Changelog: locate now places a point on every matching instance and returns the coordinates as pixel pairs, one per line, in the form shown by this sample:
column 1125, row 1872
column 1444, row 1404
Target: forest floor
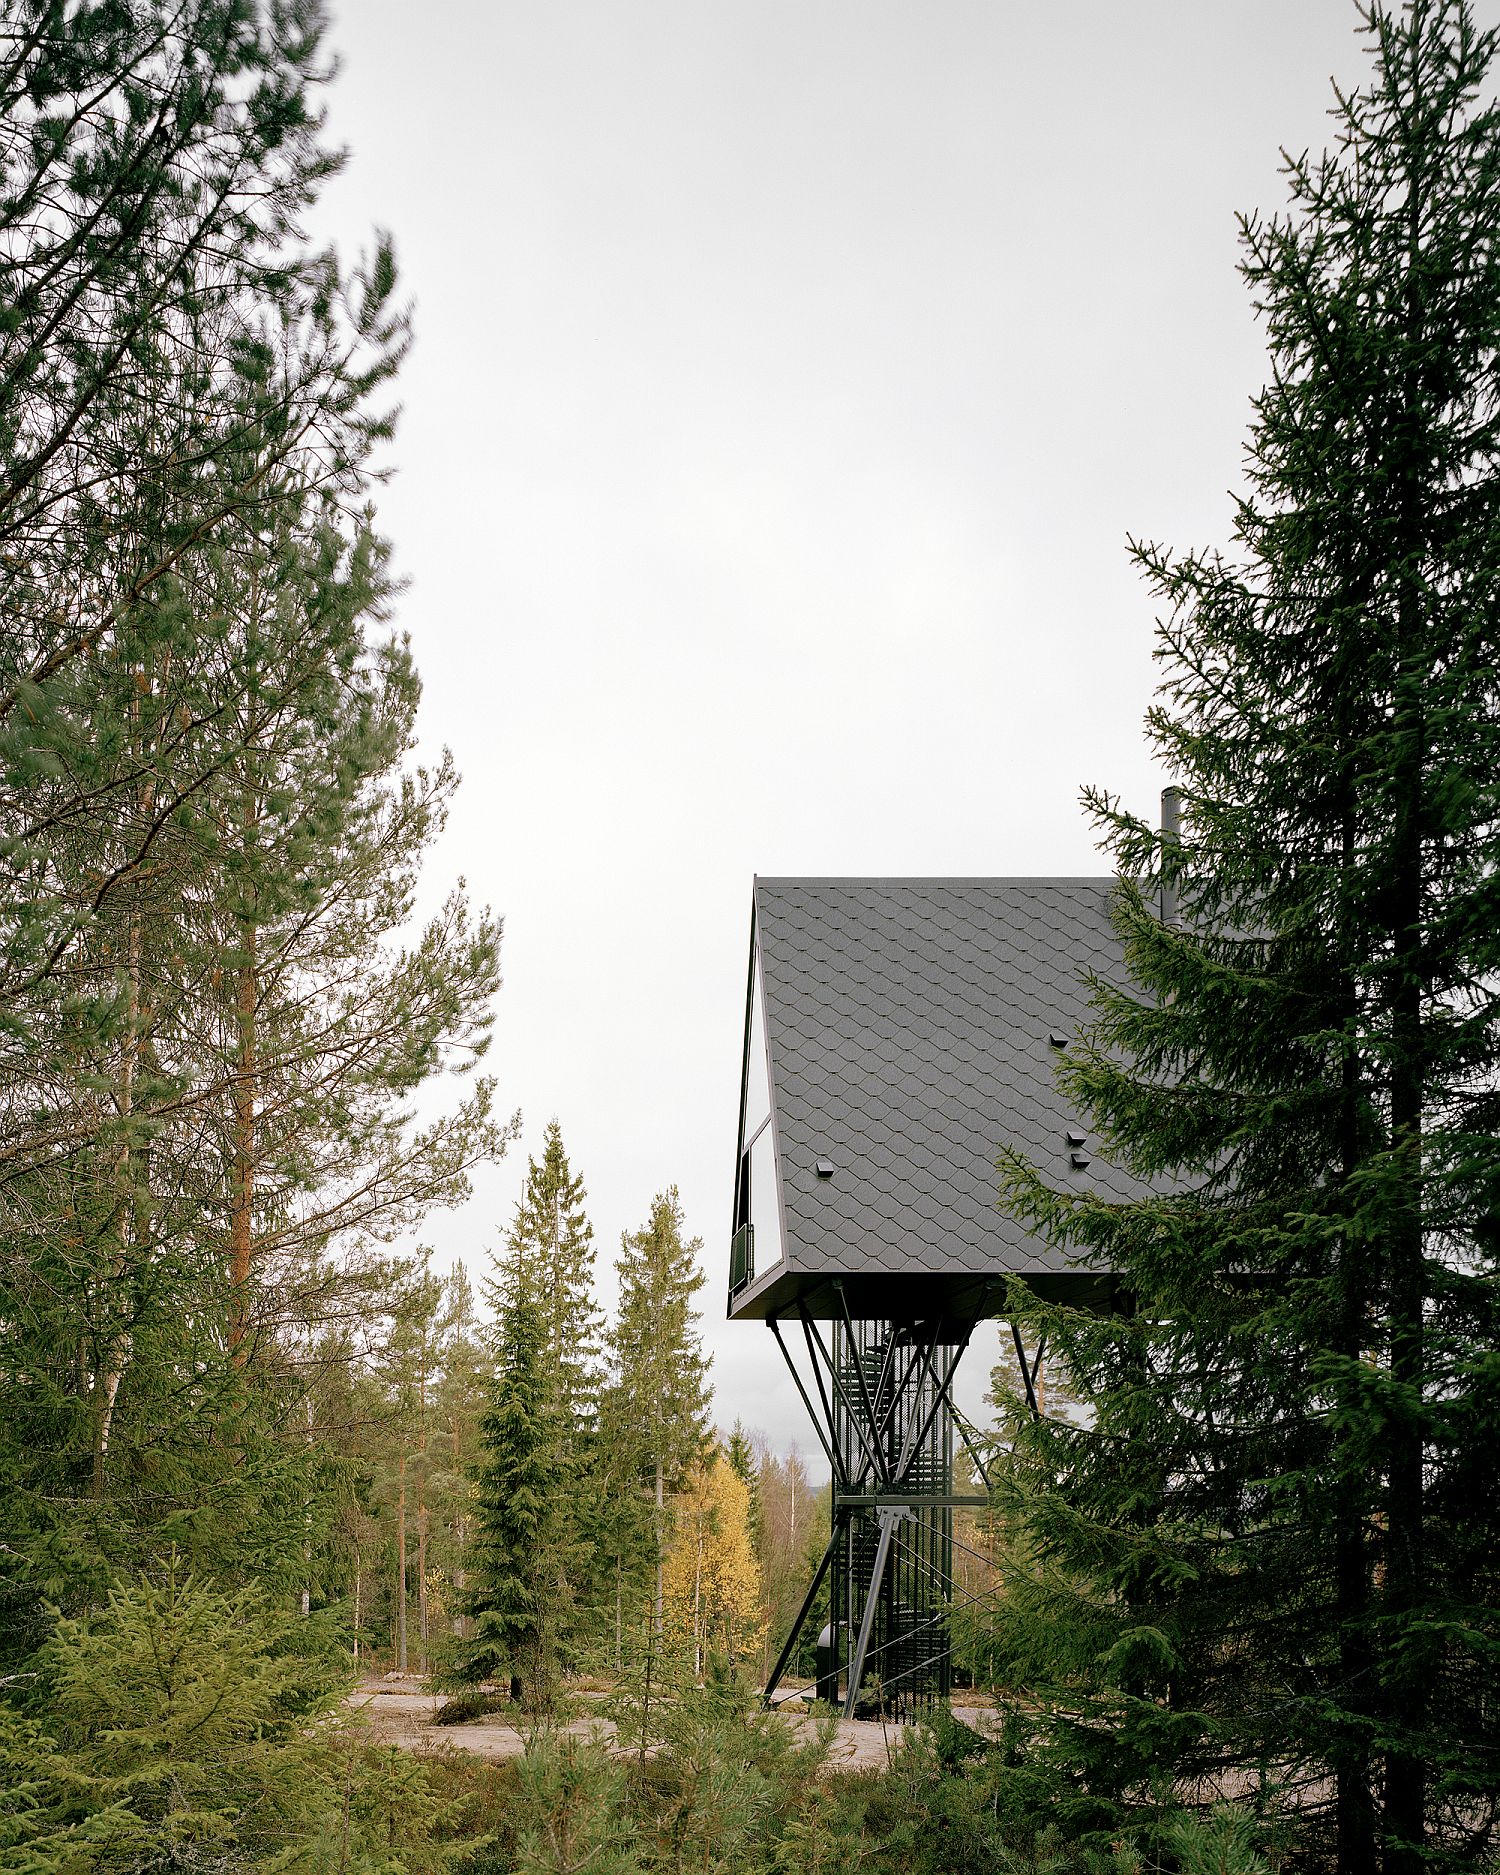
column 402, row 1712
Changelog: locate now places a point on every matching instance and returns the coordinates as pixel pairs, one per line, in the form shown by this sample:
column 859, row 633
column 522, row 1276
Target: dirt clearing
column 401, row 1712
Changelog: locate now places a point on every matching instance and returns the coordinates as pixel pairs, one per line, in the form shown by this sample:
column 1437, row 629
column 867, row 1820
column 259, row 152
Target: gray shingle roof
column 908, row 1023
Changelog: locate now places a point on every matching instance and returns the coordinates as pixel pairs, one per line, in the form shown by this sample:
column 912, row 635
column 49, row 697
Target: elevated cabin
column 897, row 1033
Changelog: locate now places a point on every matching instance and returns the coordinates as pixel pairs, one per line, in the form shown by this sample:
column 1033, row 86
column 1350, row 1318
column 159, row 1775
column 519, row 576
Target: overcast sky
column 789, row 376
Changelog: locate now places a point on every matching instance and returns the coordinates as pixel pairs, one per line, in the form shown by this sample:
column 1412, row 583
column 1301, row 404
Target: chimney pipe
column 1171, row 842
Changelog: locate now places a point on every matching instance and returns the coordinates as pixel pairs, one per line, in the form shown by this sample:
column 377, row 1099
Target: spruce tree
column 741, row 1456
column 1273, row 1551
column 654, row 1417
column 523, row 1568
column 550, row 1256
column 183, row 1728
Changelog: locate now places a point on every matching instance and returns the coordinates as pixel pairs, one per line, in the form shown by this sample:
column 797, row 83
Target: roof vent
column 1058, row 1039
column 825, row 1168
column 1080, row 1160
column 1073, row 1138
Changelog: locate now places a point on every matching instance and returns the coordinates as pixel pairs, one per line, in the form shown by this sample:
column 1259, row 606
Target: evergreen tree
column 742, row 1462
column 182, row 1728
column 201, row 1187
column 523, row 1565
column 167, row 347
column 406, row 1371
column 208, row 816
column 1274, row 1548
column 460, row 1401
column 550, row 1256
column 654, row 1416
column 571, row 1814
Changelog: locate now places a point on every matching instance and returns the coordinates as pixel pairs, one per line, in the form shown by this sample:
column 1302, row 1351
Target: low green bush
column 182, row 1727
column 464, row 1707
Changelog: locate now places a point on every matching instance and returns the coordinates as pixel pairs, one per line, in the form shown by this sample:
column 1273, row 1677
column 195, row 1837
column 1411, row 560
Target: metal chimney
column 1171, row 842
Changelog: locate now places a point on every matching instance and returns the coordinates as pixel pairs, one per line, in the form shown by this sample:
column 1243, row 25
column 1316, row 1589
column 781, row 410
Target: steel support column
column 887, row 1424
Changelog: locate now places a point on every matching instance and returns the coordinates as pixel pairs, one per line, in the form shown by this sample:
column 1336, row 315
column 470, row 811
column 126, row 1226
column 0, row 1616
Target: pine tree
column 407, row 1367
column 167, row 346
column 222, row 1202
column 459, row 1406
column 523, row 1567
column 572, row 1815
column 1274, row 1549
column 209, row 821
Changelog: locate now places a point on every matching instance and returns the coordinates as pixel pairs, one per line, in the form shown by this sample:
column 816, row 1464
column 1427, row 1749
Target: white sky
column 789, row 375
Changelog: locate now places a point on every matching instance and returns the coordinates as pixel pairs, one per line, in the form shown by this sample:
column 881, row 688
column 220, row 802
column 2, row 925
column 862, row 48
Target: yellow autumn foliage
column 711, row 1596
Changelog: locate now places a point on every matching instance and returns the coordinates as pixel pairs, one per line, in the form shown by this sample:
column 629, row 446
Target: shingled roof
column 912, row 1027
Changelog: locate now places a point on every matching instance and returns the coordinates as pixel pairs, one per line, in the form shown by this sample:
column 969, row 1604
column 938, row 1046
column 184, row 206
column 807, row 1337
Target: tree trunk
column 1405, row 1677
column 422, row 1507
column 646, row 1690
column 401, row 1566
column 460, row 1532
column 115, row 1352
column 242, row 1164
column 1354, row 1805
column 307, row 1523
column 656, row 1606
column 421, row 1575
column 108, row 1387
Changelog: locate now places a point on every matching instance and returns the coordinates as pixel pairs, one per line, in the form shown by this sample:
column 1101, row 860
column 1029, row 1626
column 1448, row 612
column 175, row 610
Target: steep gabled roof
column 910, row 1026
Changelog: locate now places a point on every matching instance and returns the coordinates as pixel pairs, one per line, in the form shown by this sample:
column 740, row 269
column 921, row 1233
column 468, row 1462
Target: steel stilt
column 890, row 1516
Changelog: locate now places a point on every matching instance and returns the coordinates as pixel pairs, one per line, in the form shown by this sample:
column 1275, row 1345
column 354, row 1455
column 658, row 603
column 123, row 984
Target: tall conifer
column 207, row 820
column 654, row 1417
column 550, row 1257
column 1274, row 1549
column 522, row 1600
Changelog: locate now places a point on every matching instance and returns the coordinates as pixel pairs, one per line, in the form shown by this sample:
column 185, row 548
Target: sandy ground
column 402, row 1713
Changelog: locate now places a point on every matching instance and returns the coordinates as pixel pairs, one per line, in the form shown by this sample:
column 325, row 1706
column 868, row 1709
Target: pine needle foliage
column 571, row 1816
column 1273, row 1551
column 210, row 825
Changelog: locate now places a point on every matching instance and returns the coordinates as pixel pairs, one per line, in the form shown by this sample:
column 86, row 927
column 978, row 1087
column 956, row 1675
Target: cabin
column 898, row 1033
